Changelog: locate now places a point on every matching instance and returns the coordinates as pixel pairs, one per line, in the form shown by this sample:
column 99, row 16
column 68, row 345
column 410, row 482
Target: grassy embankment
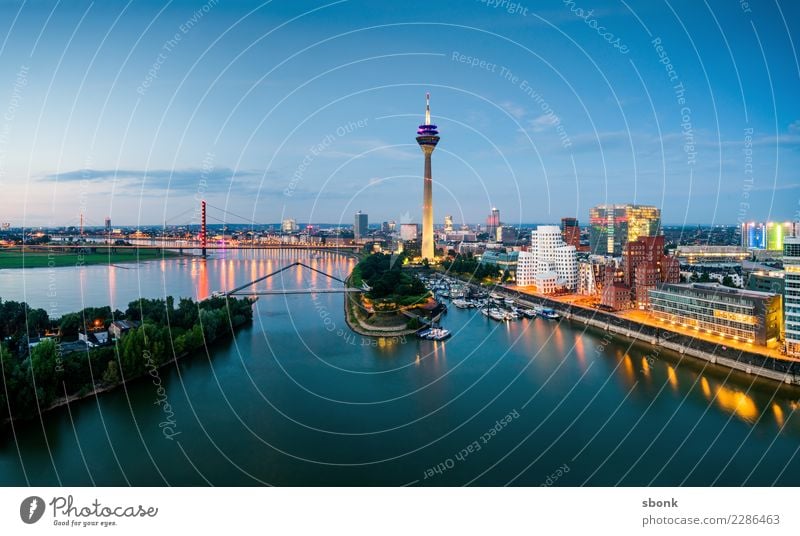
column 42, row 258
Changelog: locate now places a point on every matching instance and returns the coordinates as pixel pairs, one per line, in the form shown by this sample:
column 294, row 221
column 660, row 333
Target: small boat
column 424, row 333
column 485, row 311
column 461, row 303
column 512, row 315
column 550, row 314
column 438, row 334
column 528, row 313
column 497, row 314
column 509, row 302
column 496, row 296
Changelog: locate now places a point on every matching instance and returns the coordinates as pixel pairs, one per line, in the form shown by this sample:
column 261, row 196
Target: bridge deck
column 294, row 291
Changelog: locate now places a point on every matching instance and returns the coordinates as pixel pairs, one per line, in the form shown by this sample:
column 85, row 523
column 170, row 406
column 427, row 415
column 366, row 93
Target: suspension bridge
column 194, row 240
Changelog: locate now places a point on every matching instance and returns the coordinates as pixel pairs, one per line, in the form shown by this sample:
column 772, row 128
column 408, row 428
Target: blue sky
column 309, row 109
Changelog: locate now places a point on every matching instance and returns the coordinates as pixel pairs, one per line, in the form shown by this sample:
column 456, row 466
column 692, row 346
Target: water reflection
column 737, row 402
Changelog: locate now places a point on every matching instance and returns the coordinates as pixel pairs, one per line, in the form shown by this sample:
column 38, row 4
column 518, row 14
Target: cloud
column 514, row 109
column 543, row 122
column 178, row 180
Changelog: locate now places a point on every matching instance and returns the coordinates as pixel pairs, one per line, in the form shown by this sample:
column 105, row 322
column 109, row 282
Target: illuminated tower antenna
column 427, row 108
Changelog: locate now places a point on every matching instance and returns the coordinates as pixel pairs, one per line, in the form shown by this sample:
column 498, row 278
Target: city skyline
column 136, row 131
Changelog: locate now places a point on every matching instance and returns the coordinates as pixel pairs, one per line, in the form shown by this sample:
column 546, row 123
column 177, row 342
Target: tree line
column 33, row 378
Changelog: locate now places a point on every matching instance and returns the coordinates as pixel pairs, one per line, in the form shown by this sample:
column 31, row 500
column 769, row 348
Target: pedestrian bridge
column 248, row 290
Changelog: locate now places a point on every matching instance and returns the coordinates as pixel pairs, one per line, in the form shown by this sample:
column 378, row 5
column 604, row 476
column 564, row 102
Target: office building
column 492, row 223
column 612, row 226
column 507, row 235
column 571, row 232
column 427, row 138
column 776, row 233
column 791, row 281
column 744, row 315
column 711, row 254
column 550, row 257
column 360, row 225
column 753, row 235
column 769, row 235
column 645, row 267
column 503, row 260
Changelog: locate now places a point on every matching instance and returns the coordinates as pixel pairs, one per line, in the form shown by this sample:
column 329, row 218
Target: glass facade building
column 612, row 226
column 744, row 315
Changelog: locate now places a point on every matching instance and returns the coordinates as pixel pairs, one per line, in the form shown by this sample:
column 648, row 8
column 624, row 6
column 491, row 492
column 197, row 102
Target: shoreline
column 367, row 331
column 98, row 390
column 748, row 362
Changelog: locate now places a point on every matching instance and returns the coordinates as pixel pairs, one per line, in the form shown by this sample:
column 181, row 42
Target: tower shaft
column 427, row 208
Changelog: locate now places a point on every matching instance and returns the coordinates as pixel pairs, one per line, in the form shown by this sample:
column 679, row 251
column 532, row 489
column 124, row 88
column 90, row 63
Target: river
column 298, row 399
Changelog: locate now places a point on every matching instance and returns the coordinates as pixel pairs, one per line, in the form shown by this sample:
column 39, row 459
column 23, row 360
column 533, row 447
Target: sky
column 308, row 110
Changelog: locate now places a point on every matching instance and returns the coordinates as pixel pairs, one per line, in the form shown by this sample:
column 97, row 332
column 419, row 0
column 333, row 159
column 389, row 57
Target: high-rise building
column 108, row 224
column 776, row 232
column 571, row 232
column 791, row 281
column 612, row 226
column 448, row 224
column 492, row 223
column 753, row 236
column 427, row 138
column 769, row 235
column 360, row 225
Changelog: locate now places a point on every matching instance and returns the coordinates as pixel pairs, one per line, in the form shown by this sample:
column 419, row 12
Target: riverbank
column 747, row 361
column 53, row 373
column 42, row 257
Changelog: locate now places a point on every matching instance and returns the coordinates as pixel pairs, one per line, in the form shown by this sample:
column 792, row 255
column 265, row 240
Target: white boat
column 496, row 296
column 462, row 303
column 438, row 334
column 509, row 302
column 497, row 314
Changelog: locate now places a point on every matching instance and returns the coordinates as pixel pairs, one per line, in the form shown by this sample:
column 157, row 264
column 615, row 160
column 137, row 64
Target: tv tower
column 427, row 138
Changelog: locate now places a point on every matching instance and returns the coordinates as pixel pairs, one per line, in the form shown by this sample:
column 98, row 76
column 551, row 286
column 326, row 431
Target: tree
column 111, row 375
column 70, row 324
column 47, row 372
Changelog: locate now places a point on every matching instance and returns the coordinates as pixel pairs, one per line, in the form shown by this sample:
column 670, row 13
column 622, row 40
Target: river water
column 297, row 399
